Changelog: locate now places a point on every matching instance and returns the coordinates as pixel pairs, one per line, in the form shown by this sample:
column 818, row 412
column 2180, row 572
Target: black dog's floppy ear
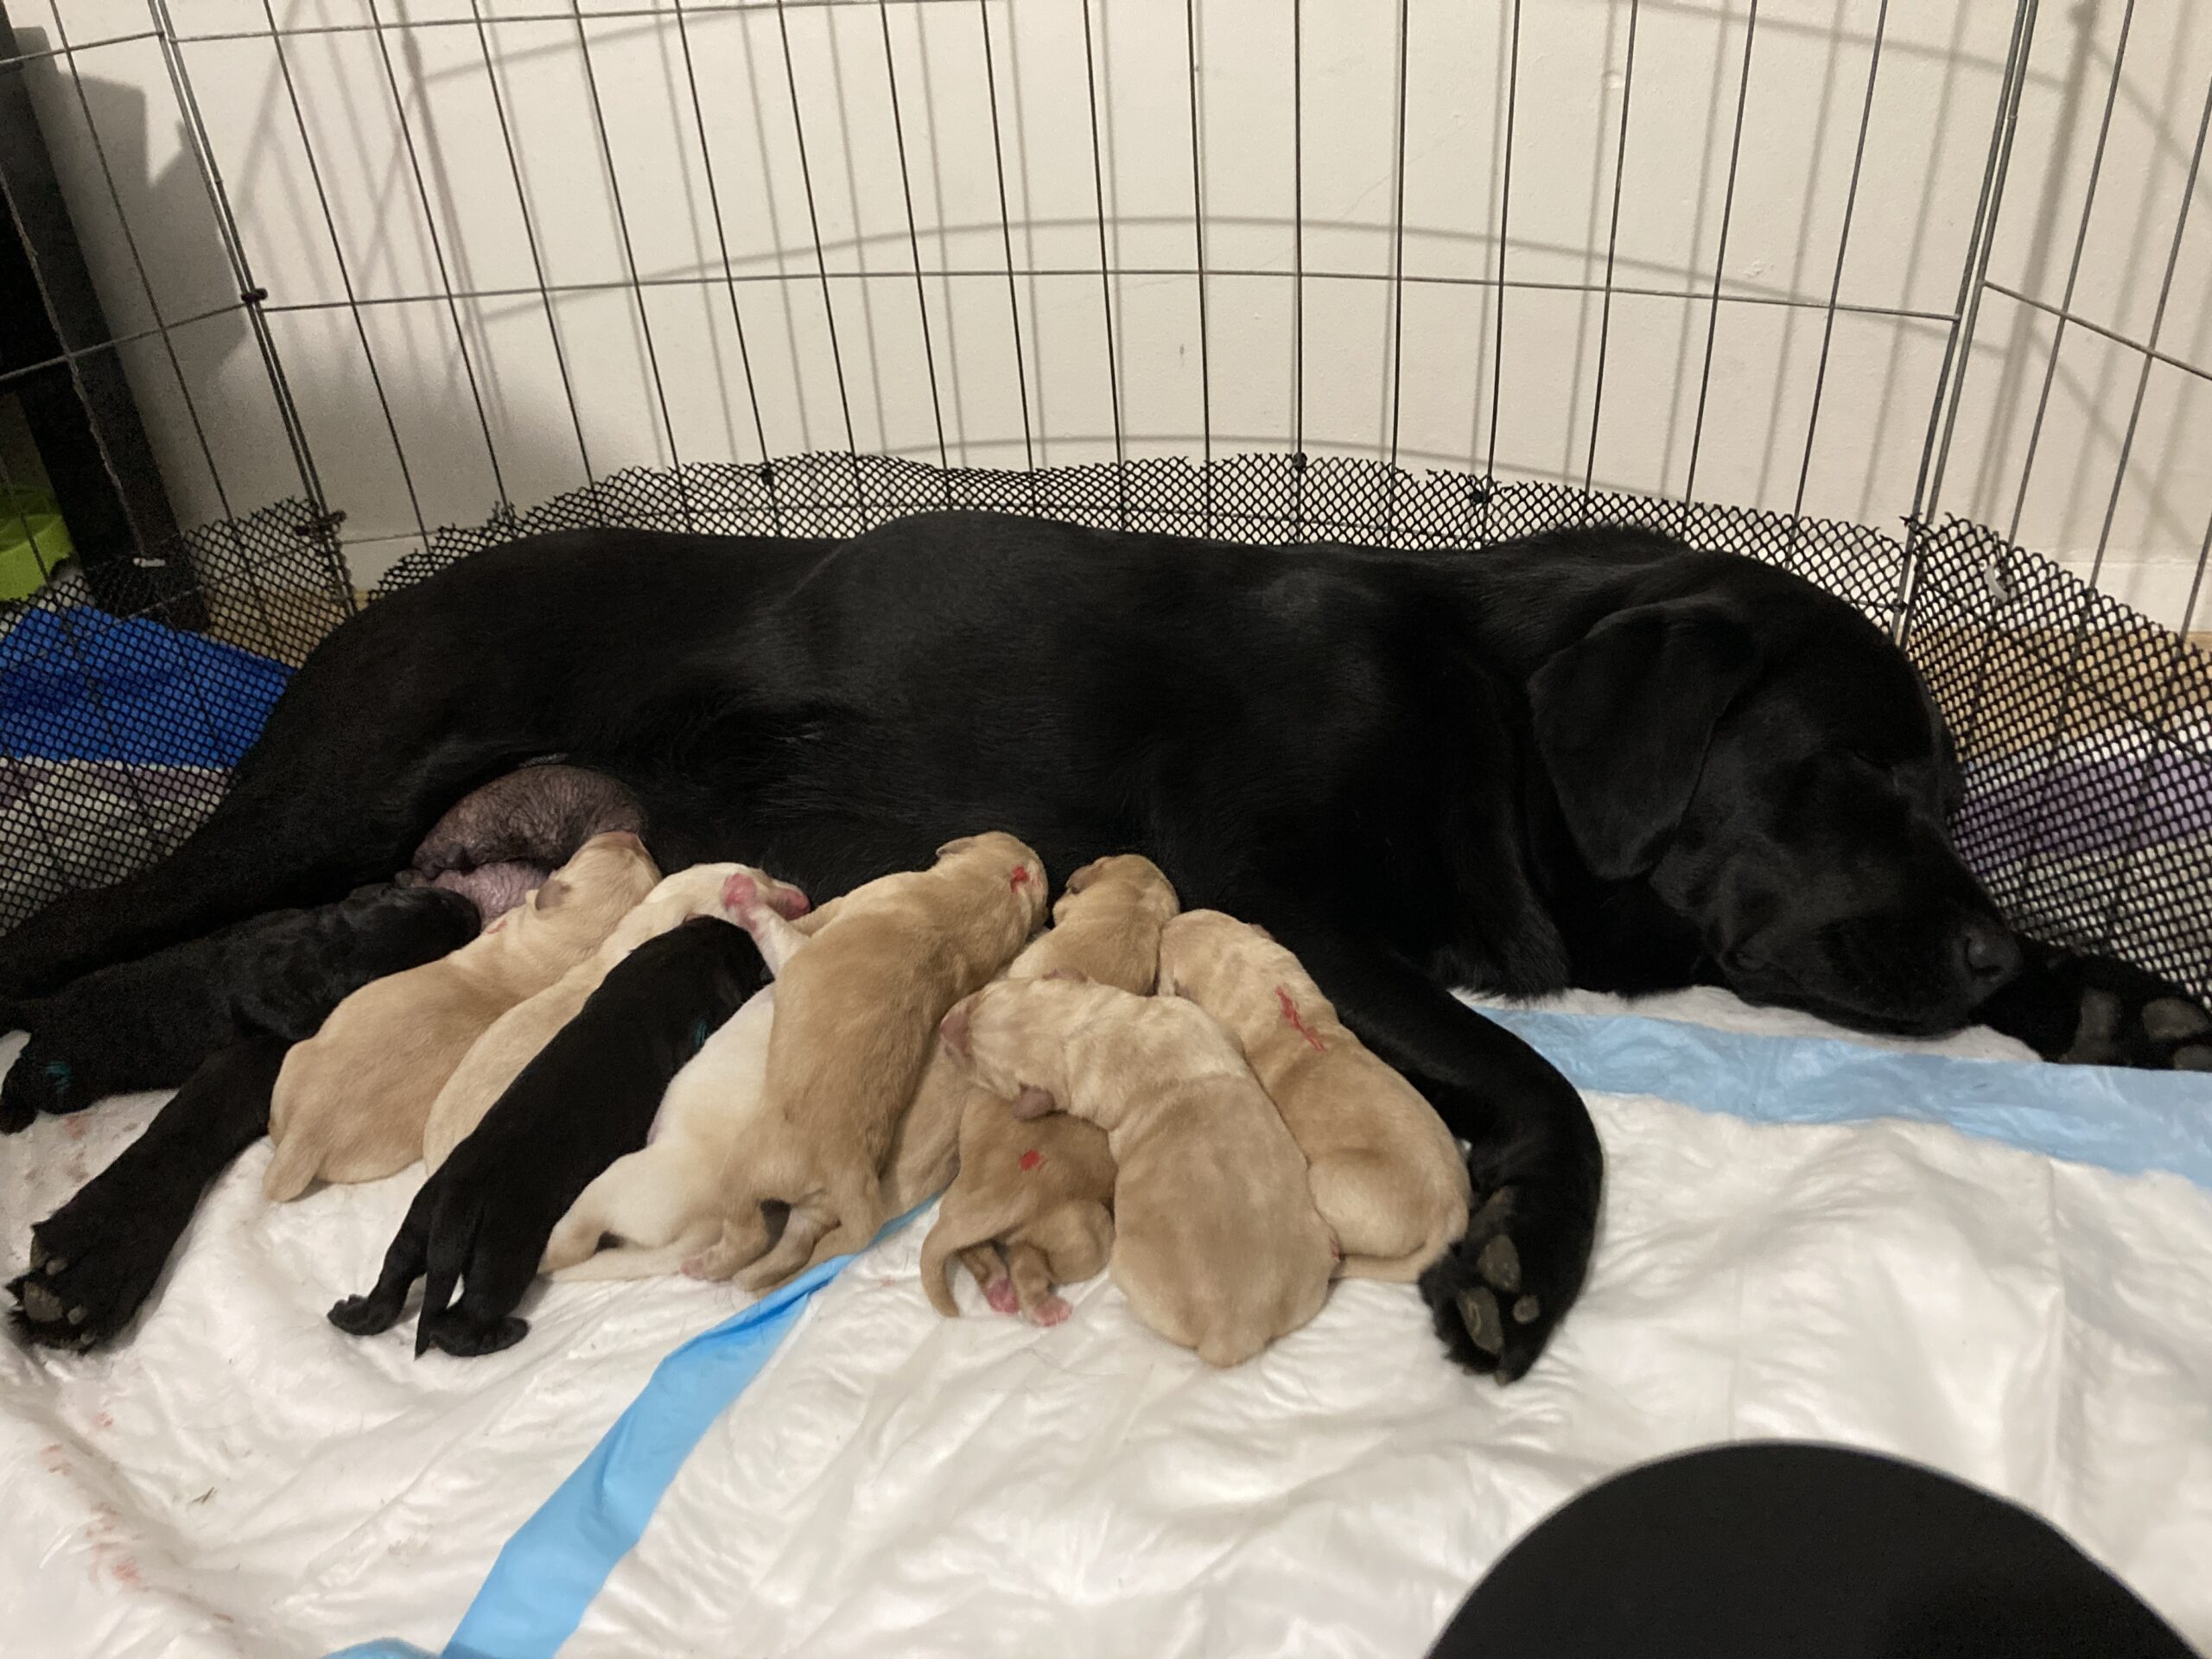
column 1622, row 719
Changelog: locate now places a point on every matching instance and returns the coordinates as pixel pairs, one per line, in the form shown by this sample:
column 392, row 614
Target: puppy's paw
column 1050, row 1310
column 87, row 1277
column 1496, row 1295
column 365, row 1316
column 741, row 896
column 454, row 1332
column 1000, row 1293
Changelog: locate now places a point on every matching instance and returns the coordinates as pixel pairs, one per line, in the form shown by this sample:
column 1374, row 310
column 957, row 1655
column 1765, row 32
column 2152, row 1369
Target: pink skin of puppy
column 1217, row 1242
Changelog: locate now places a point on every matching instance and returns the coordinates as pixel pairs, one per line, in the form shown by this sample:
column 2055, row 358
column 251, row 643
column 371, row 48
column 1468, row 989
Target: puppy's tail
column 937, row 1252
column 292, row 1170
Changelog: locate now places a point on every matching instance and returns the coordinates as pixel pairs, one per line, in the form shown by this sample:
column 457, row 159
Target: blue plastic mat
column 79, row 684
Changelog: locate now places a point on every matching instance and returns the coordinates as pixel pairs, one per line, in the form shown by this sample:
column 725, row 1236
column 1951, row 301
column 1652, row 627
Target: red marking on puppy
column 1290, row 1015
column 1031, row 1159
column 1019, row 880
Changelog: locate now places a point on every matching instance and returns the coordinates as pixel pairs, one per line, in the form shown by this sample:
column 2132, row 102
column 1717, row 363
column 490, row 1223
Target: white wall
column 1414, row 378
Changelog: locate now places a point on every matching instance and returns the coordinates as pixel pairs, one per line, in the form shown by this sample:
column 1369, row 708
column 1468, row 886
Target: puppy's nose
column 1989, row 953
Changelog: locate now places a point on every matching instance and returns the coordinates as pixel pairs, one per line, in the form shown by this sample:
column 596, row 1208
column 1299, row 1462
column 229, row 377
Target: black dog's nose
column 1989, row 952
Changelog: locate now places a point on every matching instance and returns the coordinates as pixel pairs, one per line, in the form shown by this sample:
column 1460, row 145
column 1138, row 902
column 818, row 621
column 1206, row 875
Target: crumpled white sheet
column 239, row 1478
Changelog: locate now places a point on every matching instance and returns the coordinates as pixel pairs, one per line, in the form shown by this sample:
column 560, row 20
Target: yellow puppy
column 1031, row 1207
column 1217, row 1242
column 513, row 1041
column 1385, row 1173
column 857, row 1010
column 351, row 1102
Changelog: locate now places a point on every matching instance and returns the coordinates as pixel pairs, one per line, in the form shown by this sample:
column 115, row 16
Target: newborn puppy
column 497, row 1057
column 664, row 1203
column 351, row 1102
column 483, row 1220
column 1029, row 1212
column 149, row 1024
column 1386, row 1176
column 1216, row 1243
column 1030, row 1207
column 856, row 1007
column 499, row 842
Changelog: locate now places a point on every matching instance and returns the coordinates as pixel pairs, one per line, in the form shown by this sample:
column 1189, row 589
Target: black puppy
column 96, row 1258
column 482, row 1221
column 149, row 1024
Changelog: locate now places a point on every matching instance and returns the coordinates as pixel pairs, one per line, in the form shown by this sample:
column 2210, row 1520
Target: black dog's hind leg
column 1535, row 1161
column 95, row 1260
column 2095, row 1011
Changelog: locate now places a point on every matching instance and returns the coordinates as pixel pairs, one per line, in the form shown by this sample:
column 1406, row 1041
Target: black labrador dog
column 1594, row 758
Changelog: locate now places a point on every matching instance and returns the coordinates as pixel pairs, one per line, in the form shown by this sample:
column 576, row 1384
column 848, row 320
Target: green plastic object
column 33, row 541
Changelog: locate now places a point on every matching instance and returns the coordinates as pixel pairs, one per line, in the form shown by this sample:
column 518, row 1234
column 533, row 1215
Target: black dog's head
column 1772, row 767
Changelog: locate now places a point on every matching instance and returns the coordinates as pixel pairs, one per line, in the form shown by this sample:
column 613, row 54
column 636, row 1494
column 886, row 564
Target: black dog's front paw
column 1496, row 1295
column 90, row 1272
column 2083, row 1010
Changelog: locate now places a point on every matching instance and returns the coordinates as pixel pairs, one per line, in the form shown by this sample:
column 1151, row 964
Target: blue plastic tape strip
column 2125, row 1121
column 549, row 1572
column 2119, row 1120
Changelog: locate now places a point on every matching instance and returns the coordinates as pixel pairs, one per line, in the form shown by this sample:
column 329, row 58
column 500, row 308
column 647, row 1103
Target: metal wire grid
column 1968, row 641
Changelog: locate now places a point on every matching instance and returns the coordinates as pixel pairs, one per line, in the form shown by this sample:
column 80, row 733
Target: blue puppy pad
column 2127, row 1121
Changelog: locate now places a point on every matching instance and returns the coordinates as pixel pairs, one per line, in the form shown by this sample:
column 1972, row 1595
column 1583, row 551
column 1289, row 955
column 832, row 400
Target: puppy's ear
column 1084, row 877
column 551, row 892
column 952, row 1030
column 1622, row 719
column 960, row 845
column 1071, row 974
column 1033, row 1102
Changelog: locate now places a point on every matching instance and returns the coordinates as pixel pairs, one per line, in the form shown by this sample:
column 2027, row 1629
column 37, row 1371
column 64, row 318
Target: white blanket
column 239, row 1478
